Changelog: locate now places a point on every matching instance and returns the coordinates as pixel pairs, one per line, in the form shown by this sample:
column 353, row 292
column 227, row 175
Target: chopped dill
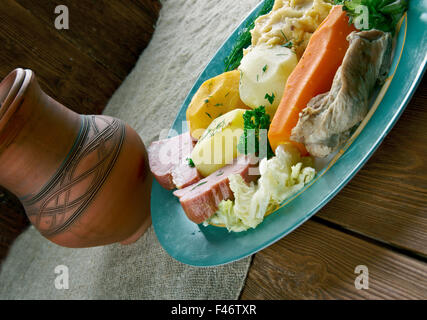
column 286, row 38
column 288, row 45
column 270, row 98
column 191, row 163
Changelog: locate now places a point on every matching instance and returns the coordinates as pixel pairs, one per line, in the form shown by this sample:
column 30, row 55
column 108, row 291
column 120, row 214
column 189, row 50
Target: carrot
column 312, row 76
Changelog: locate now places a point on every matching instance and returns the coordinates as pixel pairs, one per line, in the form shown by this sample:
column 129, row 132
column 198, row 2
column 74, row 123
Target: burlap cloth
column 187, row 35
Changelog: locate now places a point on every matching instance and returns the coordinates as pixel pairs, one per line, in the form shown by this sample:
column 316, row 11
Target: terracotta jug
column 84, row 181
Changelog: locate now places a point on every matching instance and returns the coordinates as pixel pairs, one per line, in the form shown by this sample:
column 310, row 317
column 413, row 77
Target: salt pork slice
column 200, row 200
column 169, row 162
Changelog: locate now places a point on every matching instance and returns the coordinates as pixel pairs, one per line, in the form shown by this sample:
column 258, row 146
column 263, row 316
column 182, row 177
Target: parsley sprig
column 254, row 121
column 384, row 15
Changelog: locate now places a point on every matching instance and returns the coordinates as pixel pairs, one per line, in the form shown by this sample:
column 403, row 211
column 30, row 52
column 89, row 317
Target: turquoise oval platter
column 201, row 246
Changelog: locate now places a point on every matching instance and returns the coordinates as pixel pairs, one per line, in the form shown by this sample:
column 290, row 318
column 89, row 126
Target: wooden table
column 378, row 220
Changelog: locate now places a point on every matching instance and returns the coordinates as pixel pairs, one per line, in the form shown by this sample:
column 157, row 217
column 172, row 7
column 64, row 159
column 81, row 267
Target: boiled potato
column 264, row 72
column 217, row 147
column 216, row 97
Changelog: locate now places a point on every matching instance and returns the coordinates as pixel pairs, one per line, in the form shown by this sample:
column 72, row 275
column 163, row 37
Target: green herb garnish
column 264, row 69
column 244, row 39
column 288, row 45
column 208, row 115
column 191, row 163
column 270, row 98
column 211, row 132
column 284, row 36
column 384, row 15
column 200, row 184
column 254, row 121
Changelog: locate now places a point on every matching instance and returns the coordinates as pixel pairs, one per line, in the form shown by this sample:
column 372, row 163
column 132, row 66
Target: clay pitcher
column 84, row 181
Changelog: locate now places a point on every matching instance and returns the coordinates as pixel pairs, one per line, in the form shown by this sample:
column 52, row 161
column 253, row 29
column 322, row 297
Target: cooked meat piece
column 327, row 120
column 169, row 164
column 200, row 201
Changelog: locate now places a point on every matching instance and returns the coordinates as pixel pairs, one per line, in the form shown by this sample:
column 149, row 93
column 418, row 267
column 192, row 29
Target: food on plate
column 327, row 120
column 312, row 76
column 169, row 164
column 308, row 70
column 281, row 176
column 290, row 23
column 201, row 200
column 215, row 97
column 383, row 15
column 263, row 75
column 217, row 147
column 232, row 61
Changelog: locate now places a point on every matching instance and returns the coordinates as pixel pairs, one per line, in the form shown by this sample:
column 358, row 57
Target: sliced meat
column 169, row 162
column 200, row 201
column 327, row 120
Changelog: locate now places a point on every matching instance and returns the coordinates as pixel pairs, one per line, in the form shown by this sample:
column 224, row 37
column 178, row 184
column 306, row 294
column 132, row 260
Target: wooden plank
column 318, row 262
column 65, row 73
column 387, row 200
column 113, row 33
